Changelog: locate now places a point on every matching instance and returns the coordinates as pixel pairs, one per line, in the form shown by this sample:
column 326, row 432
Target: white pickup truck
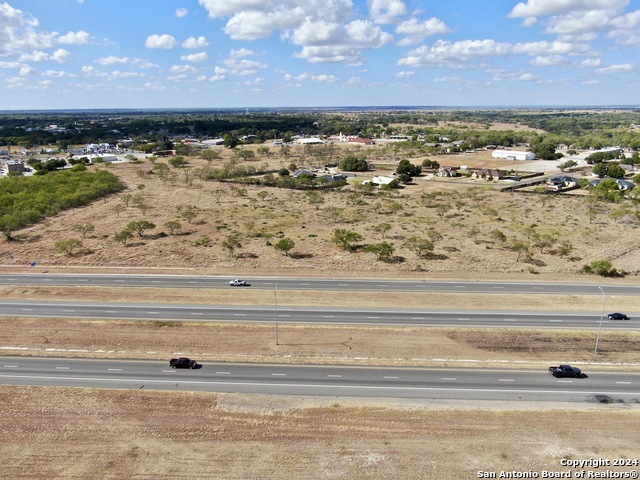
column 239, row 283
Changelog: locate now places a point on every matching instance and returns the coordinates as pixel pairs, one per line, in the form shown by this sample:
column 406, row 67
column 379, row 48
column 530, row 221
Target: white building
column 513, row 155
column 94, row 158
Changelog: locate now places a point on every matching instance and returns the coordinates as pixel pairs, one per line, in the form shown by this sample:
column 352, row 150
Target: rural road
column 269, row 283
column 421, row 383
column 310, row 315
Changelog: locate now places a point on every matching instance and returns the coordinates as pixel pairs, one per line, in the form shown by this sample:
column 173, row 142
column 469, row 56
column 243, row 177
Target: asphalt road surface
column 271, row 283
column 421, row 383
column 310, row 315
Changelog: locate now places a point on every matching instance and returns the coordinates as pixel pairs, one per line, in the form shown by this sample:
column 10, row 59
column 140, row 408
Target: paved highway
column 311, row 315
column 475, row 384
column 269, row 283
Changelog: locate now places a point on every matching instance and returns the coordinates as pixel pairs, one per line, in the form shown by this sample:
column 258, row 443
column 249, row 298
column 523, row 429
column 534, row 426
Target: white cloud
column 252, row 25
column 386, row 11
column 548, row 61
column 142, row 63
column 405, row 74
column 237, row 64
column 195, row 57
column 551, row 48
column 74, row 38
column 27, row 70
column 288, row 77
column 591, row 62
column 61, row 55
column 324, row 29
column 182, row 69
column 240, row 53
column 35, row 56
column 452, row 80
column 160, row 41
column 90, row 71
column 620, row 68
column 181, row 12
column 243, row 66
column 112, row 60
column 356, row 82
column 10, row 64
column 18, row 32
column 255, row 81
column 329, row 54
column 582, row 19
column 116, row 74
column 332, row 42
column 504, row 75
column 57, row 74
column 324, row 78
column 453, row 54
column 193, row 42
column 415, row 30
column 537, row 8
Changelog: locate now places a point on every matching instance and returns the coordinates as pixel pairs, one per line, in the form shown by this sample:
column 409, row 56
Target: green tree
column 604, row 268
column 173, row 226
column 351, row 163
column 567, row 165
column 246, row 154
column 520, row 247
column 285, row 245
column 9, row 224
column 84, row 228
column 497, row 236
column 543, row 241
column 231, row 141
column 231, row 244
column 210, row 155
column 607, row 190
column 382, row 229
column 430, row 164
column 178, row 161
column 545, row 151
column 68, row 246
column 382, row 250
column 405, row 167
column 345, row 238
column 189, row 214
column 126, row 198
column 422, row 247
column 315, row 198
column 140, row 226
column 565, row 249
column 123, row 236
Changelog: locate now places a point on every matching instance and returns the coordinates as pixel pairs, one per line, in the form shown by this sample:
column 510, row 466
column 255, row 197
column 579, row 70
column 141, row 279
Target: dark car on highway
column 617, row 316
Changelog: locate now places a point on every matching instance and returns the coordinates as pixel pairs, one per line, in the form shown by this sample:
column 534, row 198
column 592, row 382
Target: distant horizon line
column 247, row 109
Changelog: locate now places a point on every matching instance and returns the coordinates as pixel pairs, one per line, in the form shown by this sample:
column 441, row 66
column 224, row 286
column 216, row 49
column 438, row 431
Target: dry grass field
column 103, row 434
column 97, row 434
column 463, row 214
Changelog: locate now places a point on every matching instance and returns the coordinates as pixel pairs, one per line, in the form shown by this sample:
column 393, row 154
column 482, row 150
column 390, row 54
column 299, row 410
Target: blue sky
column 83, row 54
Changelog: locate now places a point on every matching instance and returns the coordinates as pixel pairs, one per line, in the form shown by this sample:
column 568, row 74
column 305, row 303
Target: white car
column 239, row 283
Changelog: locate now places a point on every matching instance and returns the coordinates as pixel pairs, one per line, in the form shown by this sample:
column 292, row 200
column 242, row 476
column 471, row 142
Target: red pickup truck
column 183, row 362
